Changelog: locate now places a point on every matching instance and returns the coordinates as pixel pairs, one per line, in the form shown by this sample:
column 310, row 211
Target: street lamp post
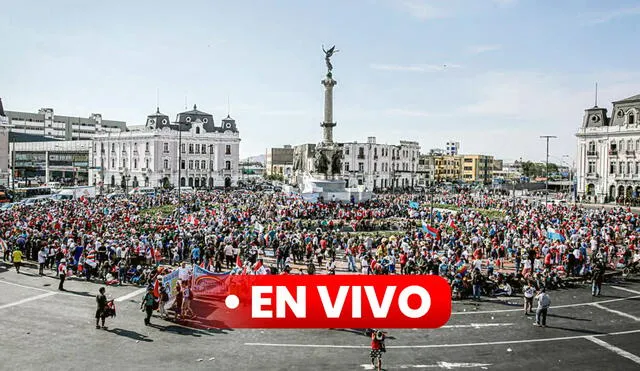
column 546, row 195
column 179, row 161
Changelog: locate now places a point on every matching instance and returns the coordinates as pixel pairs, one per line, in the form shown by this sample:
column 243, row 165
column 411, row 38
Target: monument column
column 328, row 124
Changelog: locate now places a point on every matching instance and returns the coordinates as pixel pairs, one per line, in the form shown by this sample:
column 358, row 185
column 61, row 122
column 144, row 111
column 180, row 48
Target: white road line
column 553, row 306
column 623, row 314
column 457, row 345
column 478, row 325
column 23, row 286
column 625, row 289
column 618, row 351
column 444, row 365
column 41, row 296
column 130, row 295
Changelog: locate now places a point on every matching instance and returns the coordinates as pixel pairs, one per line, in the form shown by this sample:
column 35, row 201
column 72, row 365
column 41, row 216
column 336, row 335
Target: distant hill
column 259, row 158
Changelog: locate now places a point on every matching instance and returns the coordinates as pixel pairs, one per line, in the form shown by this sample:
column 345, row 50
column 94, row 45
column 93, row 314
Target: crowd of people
column 482, row 244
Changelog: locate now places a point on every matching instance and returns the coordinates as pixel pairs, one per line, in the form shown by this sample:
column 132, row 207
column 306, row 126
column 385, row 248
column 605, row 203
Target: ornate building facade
column 192, row 151
column 608, row 158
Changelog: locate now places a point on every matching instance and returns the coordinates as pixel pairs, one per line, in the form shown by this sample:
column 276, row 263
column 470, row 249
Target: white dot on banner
column 232, row 301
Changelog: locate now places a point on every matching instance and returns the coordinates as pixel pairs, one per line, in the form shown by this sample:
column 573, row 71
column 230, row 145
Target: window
column 211, row 165
column 346, row 166
column 612, row 168
column 346, row 150
column 190, row 164
column 203, row 164
column 632, row 118
column 113, row 147
column 183, row 148
column 468, row 168
column 165, row 147
column 135, row 163
column 621, row 168
column 227, row 150
column 211, row 148
column 204, row 149
column 135, row 146
column 592, row 167
column 628, row 168
column 360, row 166
column 375, row 152
column 361, row 152
column 197, row 148
column 629, row 145
column 198, row 130
column 375, row 166
column 196, row 165
column 227, row 164
column 113, row 163
column 190, row 148
column 146, row 163
column 182, row 164
column 146, row 146
column 124, row 163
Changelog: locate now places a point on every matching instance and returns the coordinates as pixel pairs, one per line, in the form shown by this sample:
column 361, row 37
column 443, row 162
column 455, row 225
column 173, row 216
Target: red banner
column 326, row 301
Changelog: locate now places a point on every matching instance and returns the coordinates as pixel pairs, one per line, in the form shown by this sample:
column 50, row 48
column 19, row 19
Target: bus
column 5, row 195
column 22, row 193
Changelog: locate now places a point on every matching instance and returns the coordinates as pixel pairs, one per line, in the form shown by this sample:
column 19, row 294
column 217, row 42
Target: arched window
column 629, row 145
column 592, row 146
column 182, row 182
column 631, row 118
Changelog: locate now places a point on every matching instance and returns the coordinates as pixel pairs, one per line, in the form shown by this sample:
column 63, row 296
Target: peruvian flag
column 452, row 224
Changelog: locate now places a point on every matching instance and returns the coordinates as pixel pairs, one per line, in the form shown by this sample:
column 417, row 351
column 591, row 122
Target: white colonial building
column 208, row 156
column 380, row 166
column 608, row 165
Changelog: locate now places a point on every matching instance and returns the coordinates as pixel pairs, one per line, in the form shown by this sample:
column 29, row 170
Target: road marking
column 444, row 365
column 41, row 296
column 553, row 306
column 130, row 295
column 23, row 286
column 456, row 345
column 623, row 314
column 478, row 325
column 625, row 289
column 618, row 351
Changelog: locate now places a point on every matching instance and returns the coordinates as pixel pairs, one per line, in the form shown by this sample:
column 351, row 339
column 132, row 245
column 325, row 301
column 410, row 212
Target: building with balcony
column 4, row 147
column 380, row 166
column 47, row 124
column 192, row 151
column 452, row 148
column 477, row 168
column 608, row 158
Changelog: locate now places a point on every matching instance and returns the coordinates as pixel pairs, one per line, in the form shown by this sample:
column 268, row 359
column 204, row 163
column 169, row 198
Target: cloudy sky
column 492, row 74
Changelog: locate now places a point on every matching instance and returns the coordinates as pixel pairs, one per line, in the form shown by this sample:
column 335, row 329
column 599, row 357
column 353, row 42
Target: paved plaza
column 45, row 329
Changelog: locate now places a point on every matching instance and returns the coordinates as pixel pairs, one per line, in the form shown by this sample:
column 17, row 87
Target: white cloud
column 422, row 9
column 409, row 113
column 284, row 113
column 414, row 67
column 604, row 17
column 477, row 49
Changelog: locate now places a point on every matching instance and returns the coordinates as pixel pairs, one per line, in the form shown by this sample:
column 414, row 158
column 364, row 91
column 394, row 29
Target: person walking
column 101, row 301
column 598, row 277
column 377, row 348
column 544, row 302
column 529, row 292
column 62, row 273
column 17, row 259
column 42, row 260
column 148, row 302
column 476, row 279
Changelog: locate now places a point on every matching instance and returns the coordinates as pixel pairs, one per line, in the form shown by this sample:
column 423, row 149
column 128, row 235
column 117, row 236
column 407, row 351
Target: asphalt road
column 43, row 329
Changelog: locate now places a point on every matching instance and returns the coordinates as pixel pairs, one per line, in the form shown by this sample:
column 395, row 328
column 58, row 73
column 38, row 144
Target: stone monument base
column 314, row 189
